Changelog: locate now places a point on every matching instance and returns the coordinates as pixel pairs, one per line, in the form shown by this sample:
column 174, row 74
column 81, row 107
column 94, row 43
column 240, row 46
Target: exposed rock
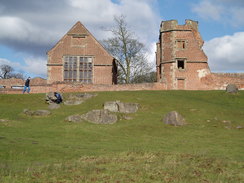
column 73, row 102
column 53, row 106
column 111, row 106
column 174, row 118
column 74, row 118
column 50, row 97
column 231, row 88
column 100, row 117
column 128, row 107
column 77, row 99
column 117, row 106
column 37, row 112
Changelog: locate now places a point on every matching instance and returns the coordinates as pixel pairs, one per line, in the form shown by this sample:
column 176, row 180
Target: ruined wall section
column 182, row 42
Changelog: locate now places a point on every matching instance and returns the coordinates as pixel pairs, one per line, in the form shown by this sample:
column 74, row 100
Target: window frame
column 74, row 72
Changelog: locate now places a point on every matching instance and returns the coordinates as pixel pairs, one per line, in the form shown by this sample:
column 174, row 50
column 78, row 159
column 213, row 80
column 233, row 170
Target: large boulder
column 231, row 88
column 117, row 106
column 174, row 118
column 37, row 112
column 100, row 117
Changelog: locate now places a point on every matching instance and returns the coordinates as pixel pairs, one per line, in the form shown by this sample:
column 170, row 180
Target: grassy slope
column 41, row 142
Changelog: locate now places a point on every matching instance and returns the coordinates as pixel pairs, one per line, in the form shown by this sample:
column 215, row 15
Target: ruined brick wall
column 181, row 62
column 219, row 81
column 14, row 83
column 78, row 87
column 80, row 42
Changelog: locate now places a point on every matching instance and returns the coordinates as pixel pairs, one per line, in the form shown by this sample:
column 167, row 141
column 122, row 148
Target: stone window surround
column 181, row 59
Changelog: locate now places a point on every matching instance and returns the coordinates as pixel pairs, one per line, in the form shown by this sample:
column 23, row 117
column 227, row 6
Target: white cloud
column 207, row 9
column 36, row 65
column 17, row 29
column 226, row 53
column 229, row 12
column 33, row 65
column 32, row 28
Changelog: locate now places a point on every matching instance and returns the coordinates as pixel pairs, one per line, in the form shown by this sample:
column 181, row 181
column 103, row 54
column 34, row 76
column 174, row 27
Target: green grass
column 144, row 149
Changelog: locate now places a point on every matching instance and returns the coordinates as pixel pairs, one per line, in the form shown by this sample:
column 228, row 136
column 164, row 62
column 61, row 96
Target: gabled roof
column 79, row 30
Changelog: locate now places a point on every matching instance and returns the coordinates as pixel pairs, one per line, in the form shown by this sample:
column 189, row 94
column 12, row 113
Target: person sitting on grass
column 58, row 98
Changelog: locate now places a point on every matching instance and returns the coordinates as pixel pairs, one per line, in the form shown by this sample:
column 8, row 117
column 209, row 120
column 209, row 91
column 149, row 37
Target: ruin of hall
column 78, row 62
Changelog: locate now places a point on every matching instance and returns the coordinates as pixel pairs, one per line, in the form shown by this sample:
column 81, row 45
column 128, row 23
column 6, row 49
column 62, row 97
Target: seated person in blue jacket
column 58, row 98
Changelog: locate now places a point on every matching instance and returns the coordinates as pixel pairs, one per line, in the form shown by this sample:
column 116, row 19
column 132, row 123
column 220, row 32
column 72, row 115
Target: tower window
column 181, row 44
column 180, row 64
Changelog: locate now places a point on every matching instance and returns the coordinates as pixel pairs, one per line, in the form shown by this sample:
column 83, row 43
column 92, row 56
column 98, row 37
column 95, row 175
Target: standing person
column 27, row 85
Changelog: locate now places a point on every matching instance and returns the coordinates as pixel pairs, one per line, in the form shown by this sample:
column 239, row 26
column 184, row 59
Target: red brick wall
column 70, row 45
column 196, row 74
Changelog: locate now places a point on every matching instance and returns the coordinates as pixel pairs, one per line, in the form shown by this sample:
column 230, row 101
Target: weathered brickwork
column 181, row 62
column 80, row 42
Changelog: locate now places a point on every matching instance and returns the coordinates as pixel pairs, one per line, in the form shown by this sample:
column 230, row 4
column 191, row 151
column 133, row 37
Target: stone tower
column 180, row 60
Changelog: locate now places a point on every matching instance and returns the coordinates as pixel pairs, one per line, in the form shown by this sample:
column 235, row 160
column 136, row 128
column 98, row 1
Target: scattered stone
column 50, row 97
column 100, row 117
column 112, row 106
column 117, row 106
column 208, row 120
column 231, row 88
column 53, row 106
column 193, row 110
column 174, row 118
column 37, row 112
column 239, row 127
column 77, row 99
column 128, row 107
column 74, row 118
column 73, row 102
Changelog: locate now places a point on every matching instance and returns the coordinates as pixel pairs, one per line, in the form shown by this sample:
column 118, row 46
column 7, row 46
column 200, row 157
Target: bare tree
column 129, row 52
column 7, row 72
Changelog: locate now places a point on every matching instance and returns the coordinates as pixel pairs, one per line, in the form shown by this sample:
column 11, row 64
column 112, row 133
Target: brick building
column 180, row 59
column 78, row 57
column 78, row 62
column 181, row 62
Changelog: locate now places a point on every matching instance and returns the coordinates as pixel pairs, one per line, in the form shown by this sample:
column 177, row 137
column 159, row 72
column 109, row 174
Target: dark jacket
column 27, row 82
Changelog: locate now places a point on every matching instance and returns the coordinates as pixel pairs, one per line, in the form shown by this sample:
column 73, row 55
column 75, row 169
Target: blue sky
column 30, row 28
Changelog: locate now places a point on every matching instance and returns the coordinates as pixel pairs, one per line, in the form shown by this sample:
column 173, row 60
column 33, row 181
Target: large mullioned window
column 78, row 69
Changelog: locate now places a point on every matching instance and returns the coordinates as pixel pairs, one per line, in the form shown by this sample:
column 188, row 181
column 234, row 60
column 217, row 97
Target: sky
column 29, row 28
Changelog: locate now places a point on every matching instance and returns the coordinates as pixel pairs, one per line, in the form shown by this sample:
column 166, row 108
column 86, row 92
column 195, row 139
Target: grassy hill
column 210, row 148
